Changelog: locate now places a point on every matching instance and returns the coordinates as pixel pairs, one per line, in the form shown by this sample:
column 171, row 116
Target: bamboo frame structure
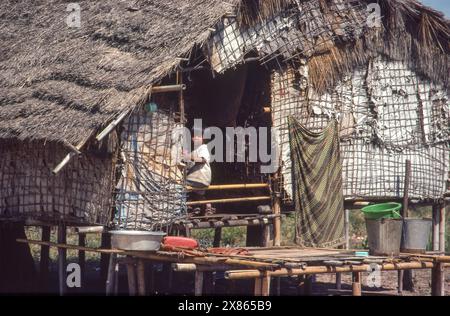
column 256, row 268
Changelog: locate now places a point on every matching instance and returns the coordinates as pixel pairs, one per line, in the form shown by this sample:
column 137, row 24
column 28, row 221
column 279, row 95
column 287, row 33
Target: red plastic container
column 181, row 242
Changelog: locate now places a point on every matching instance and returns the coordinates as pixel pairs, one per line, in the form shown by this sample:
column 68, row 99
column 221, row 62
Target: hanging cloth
column 317, row 185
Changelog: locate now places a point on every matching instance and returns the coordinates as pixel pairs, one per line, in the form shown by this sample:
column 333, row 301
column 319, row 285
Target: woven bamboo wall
column 79, row 194
column 387, row 114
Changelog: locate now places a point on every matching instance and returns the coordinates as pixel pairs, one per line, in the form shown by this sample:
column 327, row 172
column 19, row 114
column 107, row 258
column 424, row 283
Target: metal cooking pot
column 136, row 240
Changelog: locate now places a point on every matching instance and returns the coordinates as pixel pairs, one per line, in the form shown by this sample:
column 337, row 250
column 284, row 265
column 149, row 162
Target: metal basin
column 416, row 233
column 136, row 240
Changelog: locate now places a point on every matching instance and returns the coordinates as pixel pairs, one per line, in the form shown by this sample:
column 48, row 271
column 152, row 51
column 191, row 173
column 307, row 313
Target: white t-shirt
column 200, row 173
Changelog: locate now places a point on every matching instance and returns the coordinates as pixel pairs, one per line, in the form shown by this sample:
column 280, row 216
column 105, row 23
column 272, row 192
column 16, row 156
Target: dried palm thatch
column 62, row 84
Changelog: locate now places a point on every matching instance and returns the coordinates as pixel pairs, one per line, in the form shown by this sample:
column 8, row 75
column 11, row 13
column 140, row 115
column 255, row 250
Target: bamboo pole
column 243, row 186
column 232, row 200
column 169, row 88
column 250, row 274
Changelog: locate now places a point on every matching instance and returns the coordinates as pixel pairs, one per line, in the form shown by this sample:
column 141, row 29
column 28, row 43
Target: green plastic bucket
column 383, row 210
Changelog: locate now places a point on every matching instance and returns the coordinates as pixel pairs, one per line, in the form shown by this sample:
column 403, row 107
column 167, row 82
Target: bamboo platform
column 259, row 264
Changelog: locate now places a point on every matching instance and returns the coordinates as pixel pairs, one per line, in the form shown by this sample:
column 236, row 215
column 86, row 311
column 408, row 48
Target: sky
column 441, row 5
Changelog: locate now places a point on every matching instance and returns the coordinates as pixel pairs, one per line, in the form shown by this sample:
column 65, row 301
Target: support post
column 400, row 276
column 198, row 290
column 265, row 235
column 436, row 220
column 141, row 277
column 408, row 282
column 111, row 274
column 45, row 258
column 105, row 258
column 276, row 206
column 265, row 285
column 131, row 275
column 62, row 231
column 356, row 284
column 82, row 255
column 347, row 228
column 442, row 228
column 437, row 280
column 217, row 237
column 258, row 284
column 338, row 281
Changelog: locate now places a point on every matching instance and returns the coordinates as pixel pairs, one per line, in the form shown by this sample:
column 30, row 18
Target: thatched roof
column 62, row 84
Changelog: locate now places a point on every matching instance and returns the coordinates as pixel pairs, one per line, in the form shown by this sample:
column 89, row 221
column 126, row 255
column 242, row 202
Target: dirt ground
column 422, row 281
